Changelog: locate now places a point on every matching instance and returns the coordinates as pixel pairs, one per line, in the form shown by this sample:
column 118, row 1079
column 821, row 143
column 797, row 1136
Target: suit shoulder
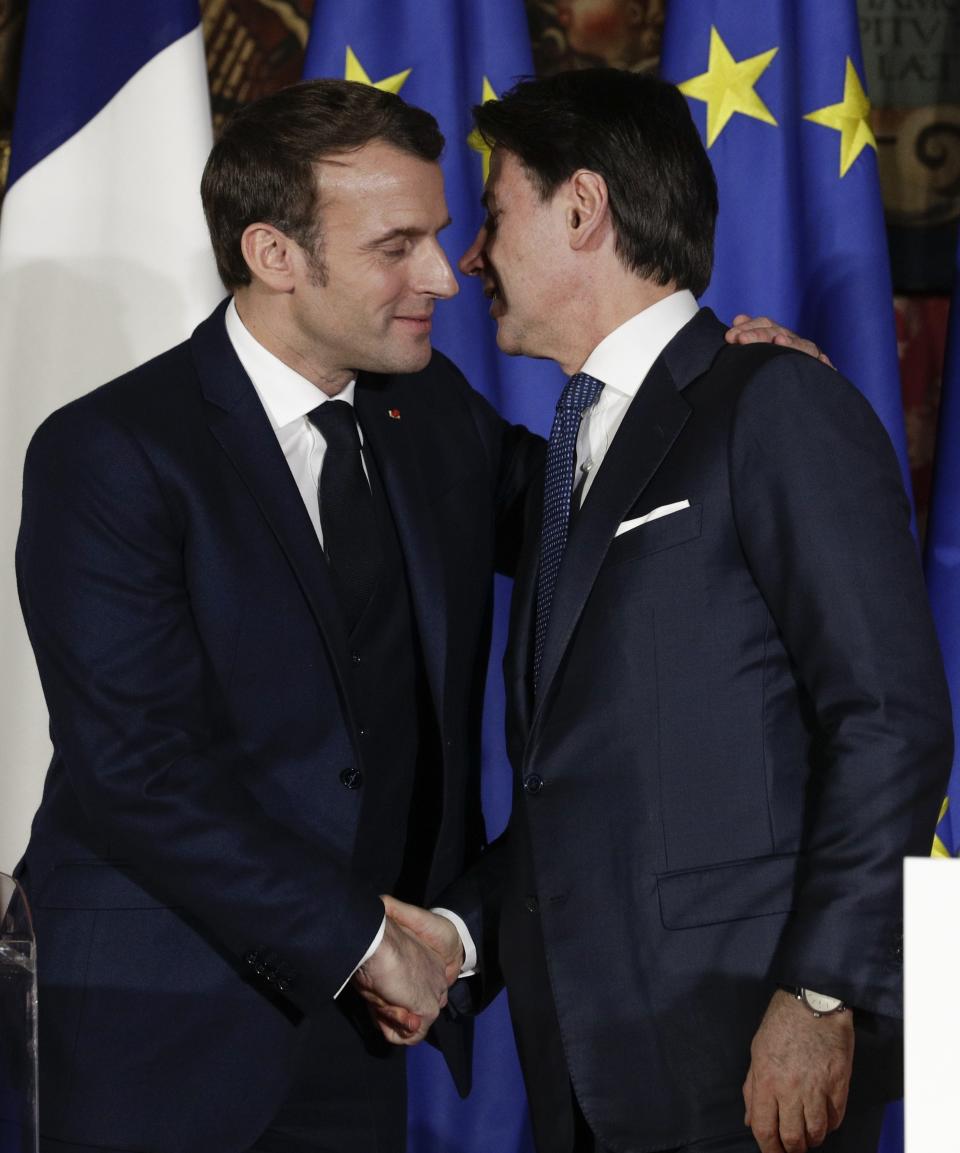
column 792, row 395
column 133, row 402
column 444, row 376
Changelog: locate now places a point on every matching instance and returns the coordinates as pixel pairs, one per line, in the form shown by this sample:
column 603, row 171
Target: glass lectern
column 18, row 1022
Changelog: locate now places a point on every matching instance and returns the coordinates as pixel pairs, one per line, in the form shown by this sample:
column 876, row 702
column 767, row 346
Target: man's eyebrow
column 411, row 233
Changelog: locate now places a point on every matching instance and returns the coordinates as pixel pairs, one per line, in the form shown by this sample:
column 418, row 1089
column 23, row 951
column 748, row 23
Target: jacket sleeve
column 825, row 527
column 477, row 897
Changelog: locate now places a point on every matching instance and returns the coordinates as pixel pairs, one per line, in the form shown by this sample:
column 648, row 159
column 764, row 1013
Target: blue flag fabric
column 942, row 556
column 69, row 78
column 458, row 55
column 777, row 89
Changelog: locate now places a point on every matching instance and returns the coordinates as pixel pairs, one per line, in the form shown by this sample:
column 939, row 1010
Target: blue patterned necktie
column 579, row 393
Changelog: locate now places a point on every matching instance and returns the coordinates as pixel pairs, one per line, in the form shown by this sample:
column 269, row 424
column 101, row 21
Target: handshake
column 406, row 980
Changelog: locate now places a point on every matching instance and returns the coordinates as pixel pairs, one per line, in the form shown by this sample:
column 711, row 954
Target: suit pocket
column 760, row 887
column 656, row 535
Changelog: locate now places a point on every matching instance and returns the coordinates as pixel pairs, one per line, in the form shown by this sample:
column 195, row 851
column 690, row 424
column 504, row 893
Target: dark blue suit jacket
column 742, row 726
column 194, row 667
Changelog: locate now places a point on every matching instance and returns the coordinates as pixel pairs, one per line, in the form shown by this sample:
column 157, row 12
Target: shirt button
column 351, row 777
column 530, row 904
column 533, row 784
column 355, row 657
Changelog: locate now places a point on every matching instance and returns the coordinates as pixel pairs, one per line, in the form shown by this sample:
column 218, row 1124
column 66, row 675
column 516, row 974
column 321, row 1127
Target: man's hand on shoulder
column 405, row 985
column 762, row 330
column 796, row 1088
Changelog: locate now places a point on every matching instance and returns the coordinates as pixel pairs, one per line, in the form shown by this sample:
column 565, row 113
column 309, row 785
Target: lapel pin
column 393, row 413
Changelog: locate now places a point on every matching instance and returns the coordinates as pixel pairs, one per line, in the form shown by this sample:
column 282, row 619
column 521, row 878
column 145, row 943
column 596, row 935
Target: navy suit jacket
column 742, row 726
column 196, row 674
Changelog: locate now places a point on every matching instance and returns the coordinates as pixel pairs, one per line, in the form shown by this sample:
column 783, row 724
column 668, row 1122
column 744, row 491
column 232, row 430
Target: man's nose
column 471, row 263
column 437, row 276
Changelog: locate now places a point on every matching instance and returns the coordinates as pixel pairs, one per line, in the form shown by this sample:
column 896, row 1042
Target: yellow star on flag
column 475, row 140
column 355, row 71
column 728, row 86
column 851, row 118
column 939, row 848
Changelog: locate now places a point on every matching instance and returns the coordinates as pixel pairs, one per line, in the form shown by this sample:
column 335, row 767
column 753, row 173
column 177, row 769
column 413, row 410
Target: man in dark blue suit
column 262, row 650
column 727, row 714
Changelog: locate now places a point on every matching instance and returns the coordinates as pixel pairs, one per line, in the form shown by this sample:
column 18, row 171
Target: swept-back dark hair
column 637, row 133
column 261, row 167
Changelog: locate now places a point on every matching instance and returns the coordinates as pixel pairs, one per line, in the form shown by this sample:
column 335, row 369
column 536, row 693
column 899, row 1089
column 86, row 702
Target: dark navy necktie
column 347, row 515
column 579, row 393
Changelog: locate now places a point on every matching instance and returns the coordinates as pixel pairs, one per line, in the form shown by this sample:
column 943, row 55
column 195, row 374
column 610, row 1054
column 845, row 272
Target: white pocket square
column 663, row 510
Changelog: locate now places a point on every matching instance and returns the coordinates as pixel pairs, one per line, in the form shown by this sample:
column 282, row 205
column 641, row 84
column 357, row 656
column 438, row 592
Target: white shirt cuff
column 374, row 945
column 469, row 966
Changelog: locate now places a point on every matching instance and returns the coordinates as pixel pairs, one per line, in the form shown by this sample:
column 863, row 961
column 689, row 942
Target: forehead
column 508, row 180
column 380, row 185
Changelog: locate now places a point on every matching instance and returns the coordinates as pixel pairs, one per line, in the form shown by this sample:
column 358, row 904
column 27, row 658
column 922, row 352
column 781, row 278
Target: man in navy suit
column 251, row 743
column 727, row 714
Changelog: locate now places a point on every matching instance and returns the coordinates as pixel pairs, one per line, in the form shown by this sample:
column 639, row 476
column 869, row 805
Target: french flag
column 104, row 262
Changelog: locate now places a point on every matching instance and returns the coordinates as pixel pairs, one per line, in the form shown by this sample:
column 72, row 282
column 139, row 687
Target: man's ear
column 270, row 255
column 587, row 209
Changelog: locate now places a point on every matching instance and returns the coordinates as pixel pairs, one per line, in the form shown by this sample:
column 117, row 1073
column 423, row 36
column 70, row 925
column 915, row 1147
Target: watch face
column 820, row 1002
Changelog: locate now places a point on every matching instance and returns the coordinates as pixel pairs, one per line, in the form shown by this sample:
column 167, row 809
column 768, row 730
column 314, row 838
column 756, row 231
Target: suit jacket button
column 533, row 784
column 351, row 777
column 530, row 904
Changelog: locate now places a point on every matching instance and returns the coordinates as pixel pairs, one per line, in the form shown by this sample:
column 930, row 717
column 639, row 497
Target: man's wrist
column 469, row 964
column 819, row 1004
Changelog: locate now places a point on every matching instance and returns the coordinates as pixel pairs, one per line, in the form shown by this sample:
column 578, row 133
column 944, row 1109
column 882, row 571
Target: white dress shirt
column 622, row 360
column 287, row 397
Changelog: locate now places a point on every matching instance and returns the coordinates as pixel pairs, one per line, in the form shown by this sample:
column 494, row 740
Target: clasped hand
column 406, row 980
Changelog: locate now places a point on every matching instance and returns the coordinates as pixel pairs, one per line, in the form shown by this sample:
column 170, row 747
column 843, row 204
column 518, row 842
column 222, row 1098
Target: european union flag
column 446, row 57
column 778, row 91
column 942, row 556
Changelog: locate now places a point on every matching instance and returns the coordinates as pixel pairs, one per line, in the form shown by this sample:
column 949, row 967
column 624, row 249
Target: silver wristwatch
column 819, row 1004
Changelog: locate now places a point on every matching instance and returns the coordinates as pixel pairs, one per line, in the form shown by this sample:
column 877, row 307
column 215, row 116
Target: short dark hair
column 261, row 167
column 637, row 133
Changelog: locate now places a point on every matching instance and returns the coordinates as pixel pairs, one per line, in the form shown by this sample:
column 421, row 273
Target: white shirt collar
column 285, row 394
column 624, row 357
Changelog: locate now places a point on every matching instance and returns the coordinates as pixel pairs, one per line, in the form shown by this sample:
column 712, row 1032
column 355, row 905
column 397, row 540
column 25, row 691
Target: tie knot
column 337, row 423
column 580, row 392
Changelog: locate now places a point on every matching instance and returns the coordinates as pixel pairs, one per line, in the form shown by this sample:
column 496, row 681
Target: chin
column 413, row 360
column 507, row 343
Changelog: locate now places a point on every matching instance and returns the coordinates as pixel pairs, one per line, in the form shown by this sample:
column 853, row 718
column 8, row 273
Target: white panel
column 931, row 1005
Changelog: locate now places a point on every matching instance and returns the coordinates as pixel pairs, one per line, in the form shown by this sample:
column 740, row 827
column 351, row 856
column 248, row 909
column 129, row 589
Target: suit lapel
column 398, row 456
column 237, row 420
column 650, row 426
